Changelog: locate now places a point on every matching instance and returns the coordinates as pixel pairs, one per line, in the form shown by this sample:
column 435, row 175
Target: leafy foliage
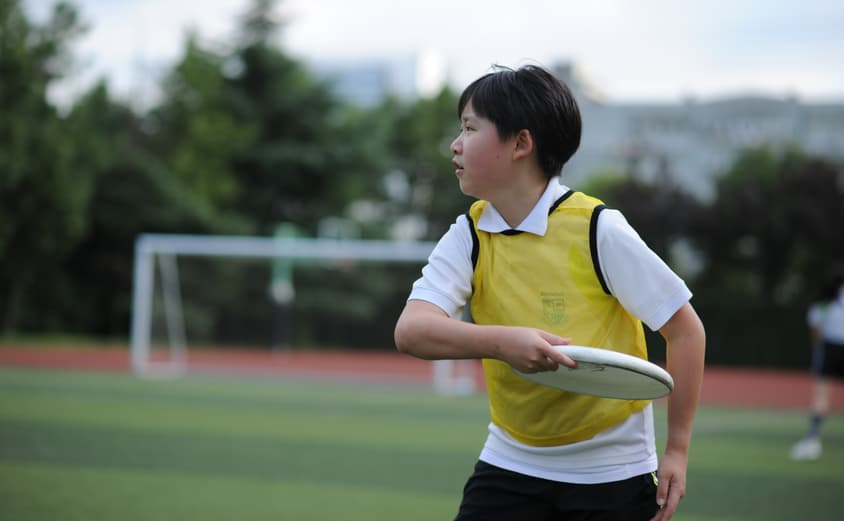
column 774, row 228
column 42, row 198
column 419, row 144
column 769, row 240
column 662, row 214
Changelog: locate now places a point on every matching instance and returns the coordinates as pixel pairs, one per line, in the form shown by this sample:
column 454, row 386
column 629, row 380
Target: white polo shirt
column 635, row 275
column 832, row 323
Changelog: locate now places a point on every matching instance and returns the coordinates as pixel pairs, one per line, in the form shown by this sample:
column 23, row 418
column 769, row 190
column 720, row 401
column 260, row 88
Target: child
column 540, row 265
column 826, row 332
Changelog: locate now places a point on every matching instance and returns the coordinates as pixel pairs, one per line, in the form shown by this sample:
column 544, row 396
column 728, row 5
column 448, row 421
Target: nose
column 457, row 144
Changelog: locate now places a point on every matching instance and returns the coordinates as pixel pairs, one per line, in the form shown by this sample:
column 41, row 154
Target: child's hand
column 530, row 350
column 672, row 484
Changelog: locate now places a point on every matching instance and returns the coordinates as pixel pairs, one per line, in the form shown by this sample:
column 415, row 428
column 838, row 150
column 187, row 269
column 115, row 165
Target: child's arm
column 425, row 331
column 685, row 346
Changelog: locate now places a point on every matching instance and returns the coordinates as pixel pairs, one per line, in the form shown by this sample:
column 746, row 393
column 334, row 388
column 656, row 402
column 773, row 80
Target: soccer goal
column 196, row 291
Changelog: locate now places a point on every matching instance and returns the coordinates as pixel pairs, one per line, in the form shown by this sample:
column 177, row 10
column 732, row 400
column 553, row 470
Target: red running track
column 722, row 386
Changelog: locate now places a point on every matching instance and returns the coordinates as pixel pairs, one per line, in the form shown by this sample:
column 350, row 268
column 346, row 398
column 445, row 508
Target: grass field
column 85, row 446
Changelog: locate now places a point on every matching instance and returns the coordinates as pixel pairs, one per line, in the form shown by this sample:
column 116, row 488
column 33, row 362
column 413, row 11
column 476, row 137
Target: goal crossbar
column 167, row 246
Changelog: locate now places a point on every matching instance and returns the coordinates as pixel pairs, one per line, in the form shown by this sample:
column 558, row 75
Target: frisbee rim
column 606, row 358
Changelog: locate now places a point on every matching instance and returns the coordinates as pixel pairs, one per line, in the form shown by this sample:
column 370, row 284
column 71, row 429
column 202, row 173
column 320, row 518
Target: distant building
column 366, row 82
column 689, row 143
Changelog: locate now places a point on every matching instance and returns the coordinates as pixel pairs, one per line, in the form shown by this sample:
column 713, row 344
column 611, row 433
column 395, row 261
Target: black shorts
column 494, row 494
column 832, row 360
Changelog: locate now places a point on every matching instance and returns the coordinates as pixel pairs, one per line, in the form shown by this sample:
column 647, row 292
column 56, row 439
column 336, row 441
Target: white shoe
column 806, row 449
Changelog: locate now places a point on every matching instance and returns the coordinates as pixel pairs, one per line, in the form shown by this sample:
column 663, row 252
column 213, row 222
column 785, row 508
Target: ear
column 523, row 144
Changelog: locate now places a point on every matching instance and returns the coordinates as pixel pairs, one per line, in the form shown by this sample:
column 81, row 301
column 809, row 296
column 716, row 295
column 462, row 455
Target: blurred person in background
column 825, row 318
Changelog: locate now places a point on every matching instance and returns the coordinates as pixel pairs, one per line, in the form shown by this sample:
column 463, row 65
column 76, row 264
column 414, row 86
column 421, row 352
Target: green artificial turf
column 84, row 445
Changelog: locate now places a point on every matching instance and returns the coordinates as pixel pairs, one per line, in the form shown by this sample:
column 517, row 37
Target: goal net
column 200, row 293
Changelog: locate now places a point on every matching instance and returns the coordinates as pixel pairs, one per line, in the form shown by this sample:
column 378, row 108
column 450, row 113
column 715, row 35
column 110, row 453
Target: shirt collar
column 537, row 220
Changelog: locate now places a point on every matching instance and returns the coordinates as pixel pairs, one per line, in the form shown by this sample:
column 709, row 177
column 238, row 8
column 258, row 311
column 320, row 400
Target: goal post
column 160, row 253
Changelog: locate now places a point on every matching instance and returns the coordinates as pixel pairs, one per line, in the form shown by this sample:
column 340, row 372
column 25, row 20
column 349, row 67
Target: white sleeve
column 446, row 280
column 635, row 275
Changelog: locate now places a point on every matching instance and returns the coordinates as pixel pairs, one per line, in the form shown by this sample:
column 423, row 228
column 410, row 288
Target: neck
column 519, row 201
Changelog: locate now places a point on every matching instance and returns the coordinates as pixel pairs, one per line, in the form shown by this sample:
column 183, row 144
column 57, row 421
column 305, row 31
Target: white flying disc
column 605, row 373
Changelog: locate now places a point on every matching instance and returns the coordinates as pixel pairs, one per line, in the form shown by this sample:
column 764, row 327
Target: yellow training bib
column 551, row 283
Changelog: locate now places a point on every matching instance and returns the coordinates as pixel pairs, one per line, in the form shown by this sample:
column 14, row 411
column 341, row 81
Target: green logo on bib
column 553, row 308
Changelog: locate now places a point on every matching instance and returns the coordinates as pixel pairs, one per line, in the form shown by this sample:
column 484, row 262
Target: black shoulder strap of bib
column 476, row 245
column 593, row 246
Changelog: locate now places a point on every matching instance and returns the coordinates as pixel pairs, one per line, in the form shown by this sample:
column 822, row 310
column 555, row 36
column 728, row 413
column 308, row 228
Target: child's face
column 481, row 158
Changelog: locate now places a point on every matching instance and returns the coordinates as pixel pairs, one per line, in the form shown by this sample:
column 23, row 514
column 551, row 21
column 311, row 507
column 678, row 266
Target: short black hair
column 529, row 98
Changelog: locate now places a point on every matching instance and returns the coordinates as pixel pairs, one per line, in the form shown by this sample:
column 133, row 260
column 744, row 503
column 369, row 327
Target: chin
column 465, row 187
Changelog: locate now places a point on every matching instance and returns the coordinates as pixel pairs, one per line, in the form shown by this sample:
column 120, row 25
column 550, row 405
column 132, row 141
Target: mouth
column 458, row 168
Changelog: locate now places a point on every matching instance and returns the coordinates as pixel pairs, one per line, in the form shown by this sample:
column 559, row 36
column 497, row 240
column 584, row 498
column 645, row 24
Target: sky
column 626, row 50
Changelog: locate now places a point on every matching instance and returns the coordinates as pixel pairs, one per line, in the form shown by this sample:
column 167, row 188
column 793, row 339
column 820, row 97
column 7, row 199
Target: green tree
column 196, row 134
column 304, row 162
column 42, row 198
column 775, row 224
column 133, row 192
column 249, row 134
column 661, row 213
column 768, row 240
column 418, row 140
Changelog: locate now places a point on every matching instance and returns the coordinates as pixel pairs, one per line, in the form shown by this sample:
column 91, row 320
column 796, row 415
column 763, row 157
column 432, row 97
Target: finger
column 559, row 358
column 662, row 514
column 567, row 361
column 528, row 367
column 675, row 494
column 549, row 364
column 543, row 362
column 662, row 491
column 546, row 360
column 555, row 340
column 663, row 482
column 554, row 355
column 667, row 512
column 670, row 500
